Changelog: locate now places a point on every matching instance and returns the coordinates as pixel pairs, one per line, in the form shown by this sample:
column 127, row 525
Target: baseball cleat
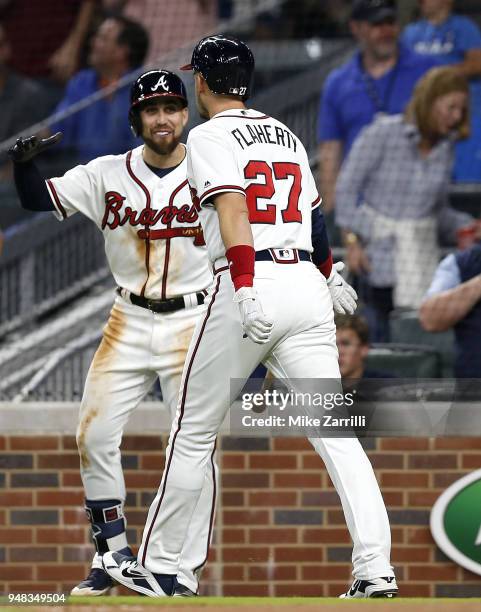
column 183, row 591
column 127, row 571
column 377, row 587
column 97, row 583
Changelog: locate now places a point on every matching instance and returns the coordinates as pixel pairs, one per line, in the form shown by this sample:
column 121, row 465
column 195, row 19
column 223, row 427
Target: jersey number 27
column 266, row 190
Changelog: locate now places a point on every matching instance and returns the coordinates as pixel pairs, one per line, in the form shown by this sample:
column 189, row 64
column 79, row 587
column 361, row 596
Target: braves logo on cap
column 162, row 82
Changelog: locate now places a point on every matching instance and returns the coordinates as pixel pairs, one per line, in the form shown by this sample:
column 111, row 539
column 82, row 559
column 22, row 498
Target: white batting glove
column 343, row 295
column 254, row 322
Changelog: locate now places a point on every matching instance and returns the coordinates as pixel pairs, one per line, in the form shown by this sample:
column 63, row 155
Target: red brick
column 326, row 535
column 69, row 443
column 142, row 480
column 432, row 573
column 445, row 479
column 312, row 462
column 232, row 498
column 142, row 443
column 402, row 480
column 334, row 589
column 305, row 554
column 397, row 535
column 74, row 516
column 152, row 461
column 470, row 461
column 71, row 479
column 277, row 499
column 13, row 499
column 60, row 498
column 245, row 517
column 394, row 444
column 58, row 461
column 457, row 443
column 251, row 554
column 279, row 572
column 425, row 499
column 17, row 572
column 233, row 536
column 245, row 590
column 3, row 517
column 34, row 442
column 335, row 517
column 16, row 536
column 34, row 587
column 231, row 461
column 418, row 535
column 245, row 480
column 320, row 498
column 326, row 572
column 232, row 572
column 298, row 589
column 385, row 461
column 410, row 554
column 393, row 498
column 432, row 461
column 272, row 535
column 3, row 443
column 272, row 462
column 292, row 444
column 33, row 554
column 415, row 590
column 61, row 536
column 60, row 572
column 137, row 517
column 297, row 480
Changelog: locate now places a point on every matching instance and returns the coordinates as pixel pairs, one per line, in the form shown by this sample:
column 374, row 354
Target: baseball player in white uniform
column 156, row 252
column 269, row 303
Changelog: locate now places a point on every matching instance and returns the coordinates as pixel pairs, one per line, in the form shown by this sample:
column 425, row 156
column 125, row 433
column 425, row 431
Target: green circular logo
column 456, row 522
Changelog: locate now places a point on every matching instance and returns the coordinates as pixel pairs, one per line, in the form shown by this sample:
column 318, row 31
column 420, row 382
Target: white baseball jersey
column 153, row 237
column 260, row 157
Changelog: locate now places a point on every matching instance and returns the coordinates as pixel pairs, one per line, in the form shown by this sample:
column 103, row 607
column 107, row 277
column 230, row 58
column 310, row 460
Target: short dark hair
column 136, row 38
column 358, row 325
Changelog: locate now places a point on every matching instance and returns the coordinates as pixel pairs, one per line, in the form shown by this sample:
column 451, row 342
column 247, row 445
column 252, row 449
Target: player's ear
column 200, row 83
column 185, row 116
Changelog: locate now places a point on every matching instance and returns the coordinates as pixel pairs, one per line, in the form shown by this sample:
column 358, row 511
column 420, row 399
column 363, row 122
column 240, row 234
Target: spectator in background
column 352, row 337
column 118, row 47
column 23, row 102
column 47, row 37
column 454, row 40
column 379, row 78
column 170, row 23
column 453, row 301
column 399, row 172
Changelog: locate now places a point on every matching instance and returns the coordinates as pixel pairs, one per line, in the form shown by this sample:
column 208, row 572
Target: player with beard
column 156, row 252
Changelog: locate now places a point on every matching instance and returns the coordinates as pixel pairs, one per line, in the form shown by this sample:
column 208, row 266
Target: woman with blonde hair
column 392, row 196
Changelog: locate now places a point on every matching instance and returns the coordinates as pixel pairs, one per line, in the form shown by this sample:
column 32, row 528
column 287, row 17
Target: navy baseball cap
column 373, row 11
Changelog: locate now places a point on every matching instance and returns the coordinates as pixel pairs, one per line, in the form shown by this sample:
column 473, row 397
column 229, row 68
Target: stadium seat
column 405, row 360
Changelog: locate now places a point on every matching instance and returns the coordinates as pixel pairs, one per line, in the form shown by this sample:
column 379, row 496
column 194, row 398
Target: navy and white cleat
column 97, row 583
column 183, row 591
column 377, row 587
column 127, row 571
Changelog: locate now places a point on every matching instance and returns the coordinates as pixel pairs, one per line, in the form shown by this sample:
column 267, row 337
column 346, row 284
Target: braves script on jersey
column 259, row 156
column 141, row 217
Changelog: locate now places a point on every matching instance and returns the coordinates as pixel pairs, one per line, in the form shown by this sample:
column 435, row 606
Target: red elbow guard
column 326, row 267
column 241, row 260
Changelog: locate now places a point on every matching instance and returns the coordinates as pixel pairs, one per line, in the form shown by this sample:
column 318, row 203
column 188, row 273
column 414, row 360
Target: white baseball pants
column 302, row 345
column 137, row 347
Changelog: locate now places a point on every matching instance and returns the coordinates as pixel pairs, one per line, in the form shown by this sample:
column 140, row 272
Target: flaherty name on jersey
column 264, row 133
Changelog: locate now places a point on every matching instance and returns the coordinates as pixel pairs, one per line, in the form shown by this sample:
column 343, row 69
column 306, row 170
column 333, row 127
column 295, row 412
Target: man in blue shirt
column 453, row 39
column 378, row 79
column 119, row 46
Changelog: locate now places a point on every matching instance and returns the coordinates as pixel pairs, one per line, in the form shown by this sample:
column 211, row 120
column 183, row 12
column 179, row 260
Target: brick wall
column 279, row 531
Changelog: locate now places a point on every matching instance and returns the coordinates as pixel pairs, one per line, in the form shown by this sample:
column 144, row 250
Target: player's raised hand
column 255, row 323
column 26, row 149
column 343, row 295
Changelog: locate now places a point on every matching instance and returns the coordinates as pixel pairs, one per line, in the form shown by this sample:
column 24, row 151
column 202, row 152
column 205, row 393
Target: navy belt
column 283, row 256
column 160, row 306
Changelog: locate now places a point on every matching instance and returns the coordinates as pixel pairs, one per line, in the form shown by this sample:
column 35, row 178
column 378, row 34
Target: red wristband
column 326, row 267
column 241, row 260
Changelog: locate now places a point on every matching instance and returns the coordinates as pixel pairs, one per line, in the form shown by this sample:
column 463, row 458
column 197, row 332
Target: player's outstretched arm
column 30, row 184
column 236, row 234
